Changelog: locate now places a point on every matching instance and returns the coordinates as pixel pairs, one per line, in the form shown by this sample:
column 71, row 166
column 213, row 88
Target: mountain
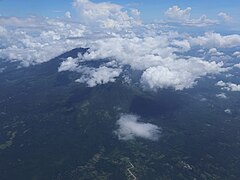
column 54, row 128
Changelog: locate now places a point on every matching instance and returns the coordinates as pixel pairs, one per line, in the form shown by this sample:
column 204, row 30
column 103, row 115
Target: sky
column 150, row 9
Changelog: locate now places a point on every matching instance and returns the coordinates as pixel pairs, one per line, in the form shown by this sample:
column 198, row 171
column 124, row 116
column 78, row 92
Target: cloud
column 215, row 40
column 237, row 65
column 179, row 75
column 228, row 111
column 182, row 16
column 221, row 95
column 156, row 57
column 138, row 52
column 98, row 76
column 225, row 16
column 228, row 86
column 36, row 40
column 175, row 13
column 130, row 128
column 237, row 54
column 114, row 33
column 91, row 75
column 215, row 52
column 70, row 64
column 68, row 15
column 162, row 77
column 105, row 14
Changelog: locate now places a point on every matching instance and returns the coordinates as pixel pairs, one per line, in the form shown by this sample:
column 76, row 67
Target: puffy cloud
column 139, row 53
column 144, row 48
column 135, row 12
column 162, row 77
column 156, row 57
column 98, row 76
column 130, row 128
column 225, row 16
column 175, row 13
column 92, row 76
column 182, row 16
column 68, row 15
column 179, row 75
column 228, row 86
column 215, row 40
column 105, row 14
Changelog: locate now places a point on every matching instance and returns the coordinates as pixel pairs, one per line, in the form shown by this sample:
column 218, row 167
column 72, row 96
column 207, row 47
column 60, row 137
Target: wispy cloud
column 225, row 16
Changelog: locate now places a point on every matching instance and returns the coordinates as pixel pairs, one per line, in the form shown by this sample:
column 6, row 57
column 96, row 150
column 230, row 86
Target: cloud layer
column 117, row 39
column 36, row 40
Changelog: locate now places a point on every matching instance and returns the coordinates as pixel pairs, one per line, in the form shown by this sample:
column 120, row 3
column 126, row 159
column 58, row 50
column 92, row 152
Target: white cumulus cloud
column 98, row 76
column 156, row 57
column 105, row 14
column 180, row 74
column 70, row 64
column 176, row 13
column 129, row 127
column 215, row 52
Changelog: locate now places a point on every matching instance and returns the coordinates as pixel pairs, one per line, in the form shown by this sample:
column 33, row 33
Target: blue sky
column 150, row 9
